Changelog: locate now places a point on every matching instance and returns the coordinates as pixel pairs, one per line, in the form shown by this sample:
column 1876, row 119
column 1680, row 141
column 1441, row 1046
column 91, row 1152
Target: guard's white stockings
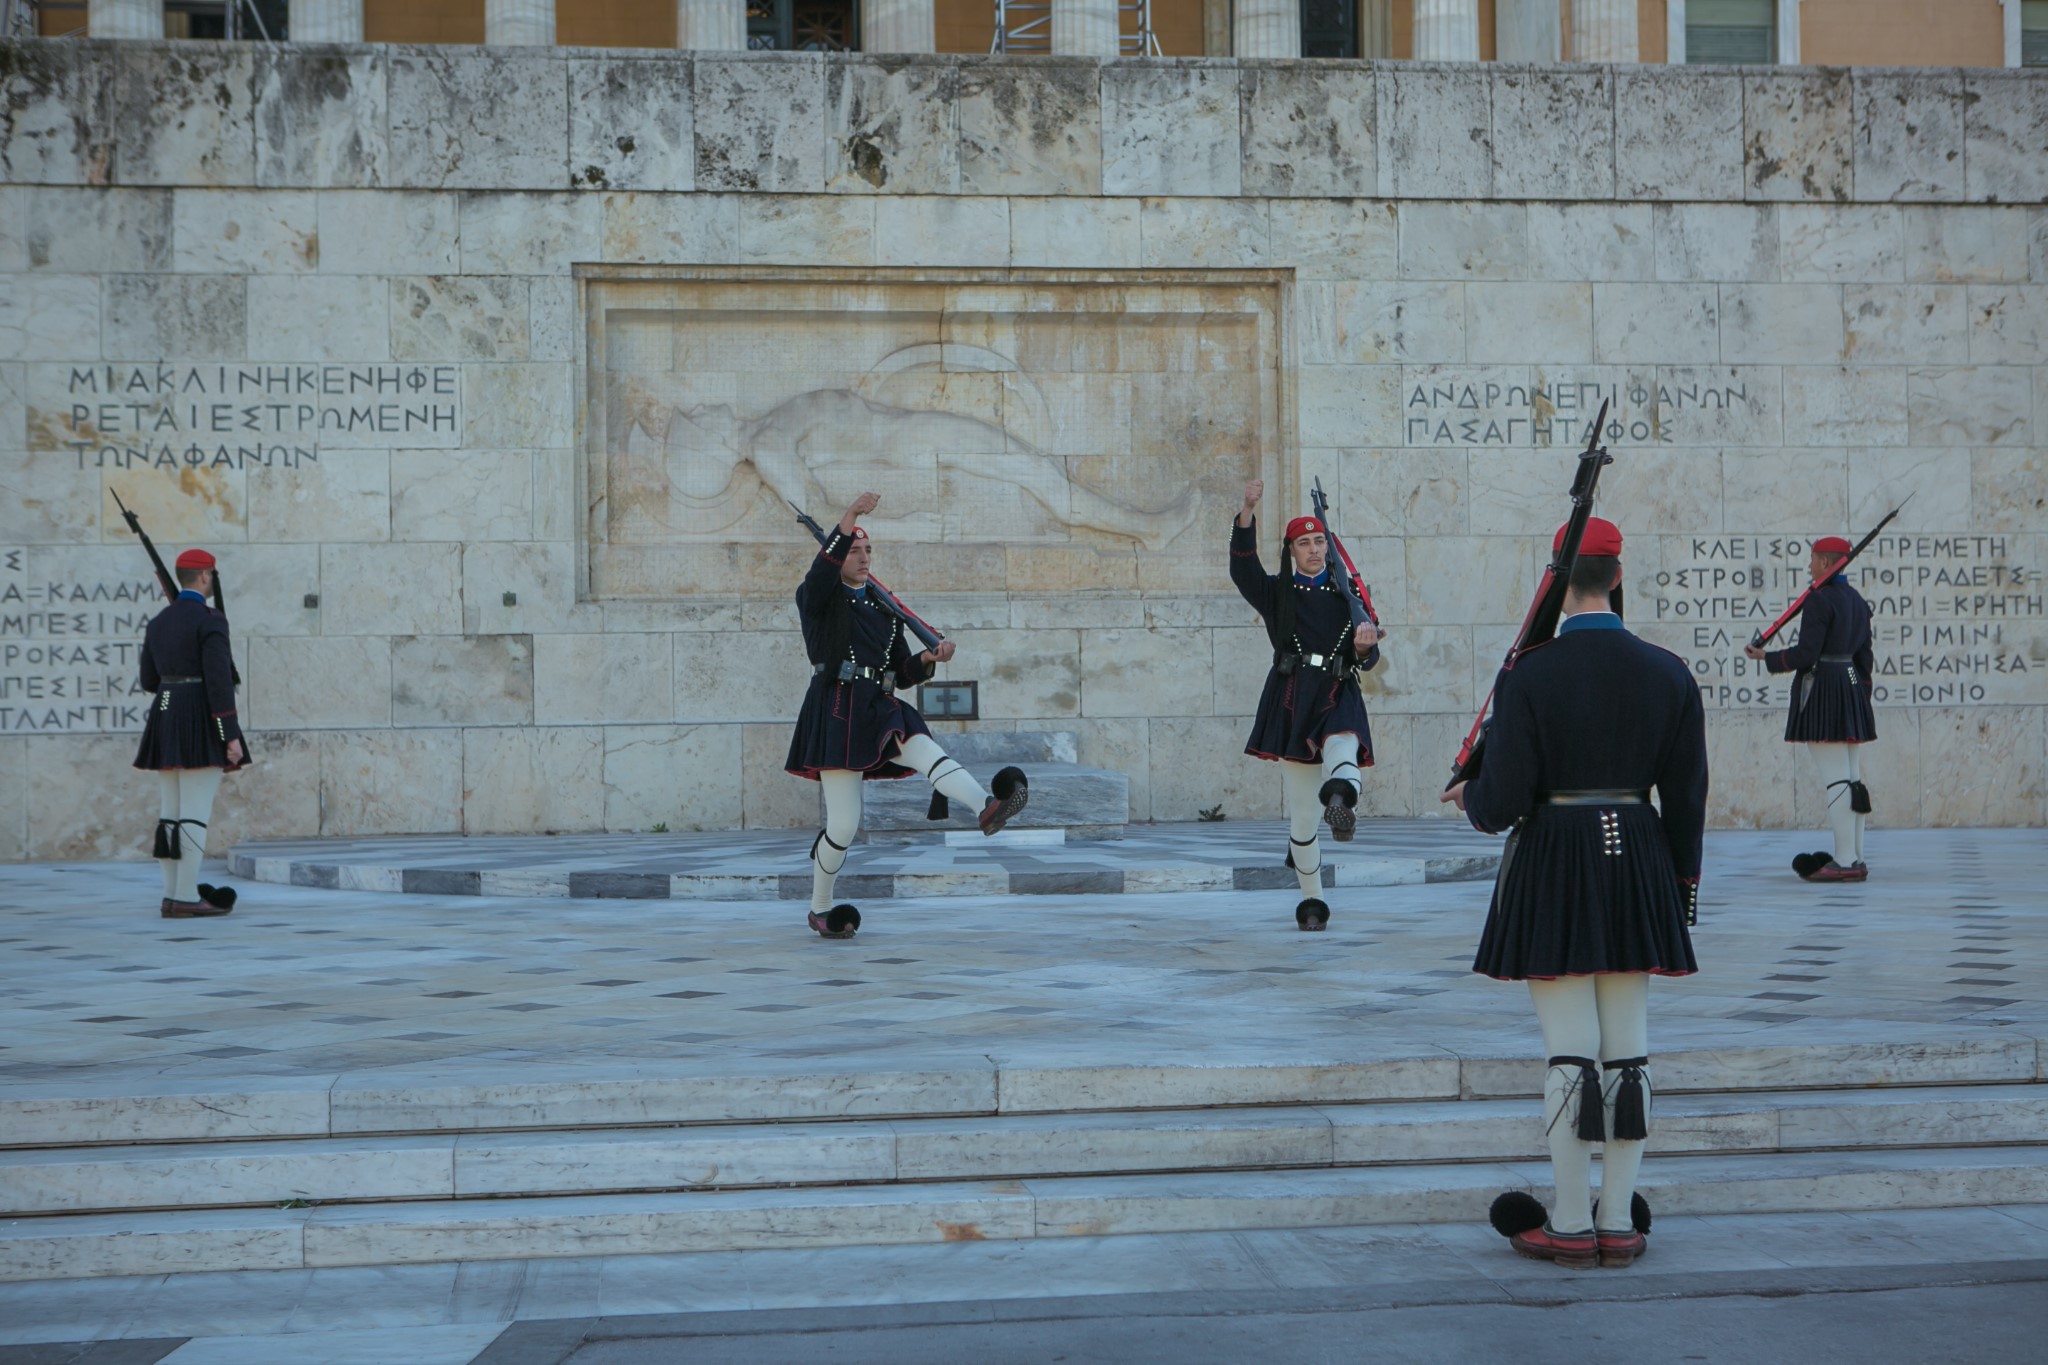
column 1606, row 1018
column 1841, row 763
column 954, row 782
column 186, row 795
column 1303, row 784
column 842, row 821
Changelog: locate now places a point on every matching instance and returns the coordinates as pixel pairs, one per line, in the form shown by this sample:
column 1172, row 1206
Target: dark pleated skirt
column 1564, row 906
column 1827, row 708
column 181, row 733
column 1299, row 712
column 851, row 725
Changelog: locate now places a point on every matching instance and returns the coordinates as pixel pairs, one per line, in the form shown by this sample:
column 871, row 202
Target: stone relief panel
column 1034, row 428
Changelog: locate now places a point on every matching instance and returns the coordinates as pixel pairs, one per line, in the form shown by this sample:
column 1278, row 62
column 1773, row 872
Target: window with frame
column 244, row 19
column 1731, row 32
column 2034, row 33
column 1345, row 28
column 803, row 25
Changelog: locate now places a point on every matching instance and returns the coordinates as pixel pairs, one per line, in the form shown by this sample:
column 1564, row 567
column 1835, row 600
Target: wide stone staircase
column 516, row 1161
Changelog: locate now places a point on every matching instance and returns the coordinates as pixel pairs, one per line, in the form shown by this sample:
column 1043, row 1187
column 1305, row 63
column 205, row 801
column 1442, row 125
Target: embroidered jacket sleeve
column 1682, row 786
column 151, row 676
column 1508, row 782
column 1815, row 620
column 1254, row 584
column 1866, row 661
column 217, row 666
column 821, row 580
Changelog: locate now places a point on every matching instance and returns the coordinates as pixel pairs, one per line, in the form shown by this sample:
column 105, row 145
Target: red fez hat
column 859, row 533
column 1602, row 537
column 1302, row 526
column 195, row 559
column 1831, row 545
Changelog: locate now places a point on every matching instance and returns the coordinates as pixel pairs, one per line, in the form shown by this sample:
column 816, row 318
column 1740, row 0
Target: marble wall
column 476, row 367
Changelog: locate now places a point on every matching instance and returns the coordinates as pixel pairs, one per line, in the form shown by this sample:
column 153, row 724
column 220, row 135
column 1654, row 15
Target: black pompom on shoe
column 1312, row 915
column 1515, row 1212
column 219, row 897
column 1009, row 790
column 1806, row 864
column 841, row 921
column 1338, row 802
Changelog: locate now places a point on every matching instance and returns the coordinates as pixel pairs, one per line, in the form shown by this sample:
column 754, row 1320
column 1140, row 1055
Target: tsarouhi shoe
column 1618, row 1250
column 839, row 922
column 1009, row 790
column 1804, row 865
column 1833, row 871
column 192, row 910
column 1338, row 802
column 1312, row 915
column 1572, row 1250
column 220, row 897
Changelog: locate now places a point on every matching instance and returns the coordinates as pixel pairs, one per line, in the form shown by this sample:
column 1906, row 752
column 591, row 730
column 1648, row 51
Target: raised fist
column 1253, row 491
column 865, row 503
column 942, row 652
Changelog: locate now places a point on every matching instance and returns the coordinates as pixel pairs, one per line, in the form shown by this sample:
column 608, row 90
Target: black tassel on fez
column 1631, row 1113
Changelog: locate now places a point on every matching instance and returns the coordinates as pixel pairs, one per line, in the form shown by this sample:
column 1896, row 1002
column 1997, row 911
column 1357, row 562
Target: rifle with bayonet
column 163, row 575
column 912, row 622
column 1540, row 625
column 1349, row 581
column 1762, row 637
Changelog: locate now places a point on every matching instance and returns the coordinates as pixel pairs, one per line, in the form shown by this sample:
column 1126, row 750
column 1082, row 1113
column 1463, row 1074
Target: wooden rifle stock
column 1349, row 580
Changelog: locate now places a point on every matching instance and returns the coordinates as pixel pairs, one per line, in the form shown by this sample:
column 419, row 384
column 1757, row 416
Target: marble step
column 70, row 1247
column 414, row 1167
column 1088, row 803
column 487, row 1096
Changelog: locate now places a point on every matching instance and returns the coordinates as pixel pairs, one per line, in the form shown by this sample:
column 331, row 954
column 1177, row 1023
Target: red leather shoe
column 1620, row 1249
column 192, row 910
column 1833, row 871
column 1572, row 1250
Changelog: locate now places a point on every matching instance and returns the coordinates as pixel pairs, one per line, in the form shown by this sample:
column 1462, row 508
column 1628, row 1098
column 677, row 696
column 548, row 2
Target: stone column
column 1527, row 31
column 1604, row 31
column 1084, row 28
column 895, row 26
column 1266, row 28
column 326, row 21
column 1674, row 32
column 1788, row 32
column 124, row 18
column 711, row 25
column 2014, row 53
column 1446, row 30
column 519, row 23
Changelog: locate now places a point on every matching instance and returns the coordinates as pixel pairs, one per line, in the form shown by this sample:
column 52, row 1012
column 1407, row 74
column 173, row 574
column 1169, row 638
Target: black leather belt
column 1595, row 798
column 1838, row 658
column 166, row 682
column 856, row 672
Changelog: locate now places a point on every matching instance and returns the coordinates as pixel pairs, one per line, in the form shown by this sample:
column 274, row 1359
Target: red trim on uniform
column 1364, row 750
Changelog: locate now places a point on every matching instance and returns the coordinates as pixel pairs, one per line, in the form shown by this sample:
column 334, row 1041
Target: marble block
column 937, row 230
column 88, row 231
column 1124, row 672
column 1098, row 233
column 508, row 407
column 1199, row 762
column 97, row 821
column 1678, row 135
column 68, row 1113
column 390, row 782
column 1170, row 129
column 478, row 118
column 1435, row 131
column 79, row 1180
column 391, row 589
column 1553, row 132
column 1217, row 1201
column 387, row 232
column 1334, row 239
column 760, row 122
column 671, row 227
column 1308, row 130
column 1829, row 405
column 1904, row 324
column 472, row 495
column 97, row 1246
column 1592, row 242
column 892, row 126
column 2008, row 324
column 186, row 113
column 1197, row 234
column 346, row 496
column 1982, row 765
column 302, row 682
column 1715, row 242
column 1796, row 137
column 674, row 1158
column 56, row 120
column 1076, row 1144
column 532, row 780
column 1464, row 241
column 541, row 577
column 779, row 229
column 1030, row 128
column 2005, row 137
column 1909, row 136
column 632, row 123
column 1551, row 321
column 1846, row 242
column 593, row 679
column 1790, row 324
column 259, row 231
column 1349, row 405
column 200, row 317
column 1031, row 1088
column 2008, row 488
column 458, row 317
column 322, row 120
column 1965, row 244
column 529, row 234
column 1972, row 406
column 43, row 317
column 671, row 775
column 313, row 317
column 446, row 680
column 1672, row 324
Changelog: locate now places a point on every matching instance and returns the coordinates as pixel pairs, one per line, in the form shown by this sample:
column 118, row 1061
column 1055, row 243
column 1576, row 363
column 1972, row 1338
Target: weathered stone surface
column 1204, row 233
column 673, row 775
column 632, row 123
column 1937, row 482
column 1435, row 132
column 760, row 121
column 529, row 234
column 1671, row 324
column 771, row 798
column 56, row 115
column 412, row 233
column 1850, row 243
column 1461, row 241
column 88, row 230
column 97, row 820
column 1515, row 321
column 459, row 317
column 1101, row 233
column 48, row 317
column 1332, row 238
column 1030, row 128
column 1966, row 245
column 532, row 779
column 1909, row 136
column 202, row 317
column 478, row 118
column 541, row 578
column 2008, row 324
column 1715, row 242
column 1844, row 406
column 2008, row 489
column 1308, row 130
column 1170, row 129
column 1199, row 763
column 186, row 113
column 935, row 230
column 345, row 497
column 806, row 229
column 46, row 498
column 322, row 119
column 318, row 317
column 1591, row 242
column 510, row 406
column 1348, row 405
column 1369, row 324
column 671, row 227
column 325, row 682
column 1899, row 324
column 772, row 662
column 382, row 590
column 462, row 680
column 1782, row 324
column 390, row 782
column 892, row 127
column 266, row 231
column 1796, row 139
column 462, row 494
column 276, row 796
column 1788, row 490
column 1981, row 765
column 1553, row 133
column 593, row 679
column 1678, row 135
column 14, row 781
column 2005, row 137
column 1971, row 406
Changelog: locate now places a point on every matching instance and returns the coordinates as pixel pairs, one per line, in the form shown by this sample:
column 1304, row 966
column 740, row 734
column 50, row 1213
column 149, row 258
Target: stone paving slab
column 1234, row 855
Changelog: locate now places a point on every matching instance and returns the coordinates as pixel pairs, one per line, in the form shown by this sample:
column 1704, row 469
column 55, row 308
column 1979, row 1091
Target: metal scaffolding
column 1026, row 26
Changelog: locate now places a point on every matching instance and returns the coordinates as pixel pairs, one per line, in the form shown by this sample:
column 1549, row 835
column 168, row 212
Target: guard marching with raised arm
column 1596, row 888
column 1831, row 712
column 1311, row 716
column 191, row 736
column 853, row 727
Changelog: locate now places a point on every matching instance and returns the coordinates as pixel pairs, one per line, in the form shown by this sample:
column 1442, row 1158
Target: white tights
column 1606, row 1018
column 1841, row 763
column 1304, row 785
column 843, row 806
column 186, row 795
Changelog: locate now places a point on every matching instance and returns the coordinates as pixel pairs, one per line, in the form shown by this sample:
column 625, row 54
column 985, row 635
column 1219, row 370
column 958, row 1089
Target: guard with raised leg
column 853, row 726
column 1597, row 887
column 1831, row 712
column 1311, row 716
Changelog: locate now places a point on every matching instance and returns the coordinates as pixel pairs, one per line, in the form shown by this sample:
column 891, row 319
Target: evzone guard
column 1311, row 716
column 1831, row 712
column 191, row 736
column 853, row 726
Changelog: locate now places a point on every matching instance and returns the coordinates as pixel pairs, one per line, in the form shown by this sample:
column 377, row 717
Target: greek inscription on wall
column 1957, row 620
column 1515, row 406
column 69, row 650
column 174, row 417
